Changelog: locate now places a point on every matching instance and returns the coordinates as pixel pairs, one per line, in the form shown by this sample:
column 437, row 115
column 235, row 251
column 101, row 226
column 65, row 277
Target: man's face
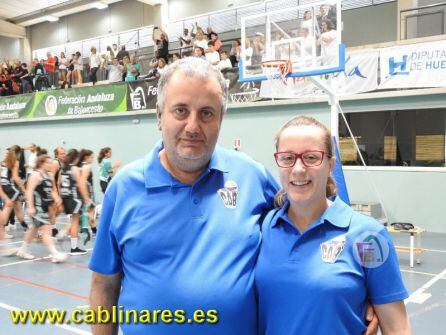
column 48, row 54
column 190, row 121
column 162, row 37
column 185, row 31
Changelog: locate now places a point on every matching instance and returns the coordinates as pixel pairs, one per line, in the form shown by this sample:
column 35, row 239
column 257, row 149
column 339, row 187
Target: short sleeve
column 106, row 256
column 384, row 282
column 107, row 166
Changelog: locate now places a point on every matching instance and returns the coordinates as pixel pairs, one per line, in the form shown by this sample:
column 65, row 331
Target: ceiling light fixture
column 99, row 5
column 51, row 18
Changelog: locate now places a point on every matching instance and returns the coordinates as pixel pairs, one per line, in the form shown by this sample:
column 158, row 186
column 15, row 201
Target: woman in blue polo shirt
column 320, row 261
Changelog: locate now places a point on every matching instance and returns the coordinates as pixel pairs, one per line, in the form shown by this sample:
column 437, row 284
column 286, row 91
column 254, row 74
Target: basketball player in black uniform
column 40, row 195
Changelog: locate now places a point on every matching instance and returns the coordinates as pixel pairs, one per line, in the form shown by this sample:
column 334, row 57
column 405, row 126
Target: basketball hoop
column 277, row 69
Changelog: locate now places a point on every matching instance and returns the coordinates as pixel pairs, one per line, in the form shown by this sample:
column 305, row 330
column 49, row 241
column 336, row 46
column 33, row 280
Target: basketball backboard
column 308, row 36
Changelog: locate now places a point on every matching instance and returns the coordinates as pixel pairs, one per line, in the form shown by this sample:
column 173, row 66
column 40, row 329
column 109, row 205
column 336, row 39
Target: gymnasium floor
column 40, row 284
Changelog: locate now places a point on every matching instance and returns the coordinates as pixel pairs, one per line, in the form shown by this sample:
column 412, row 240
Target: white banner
column 360, row 75
column 415, row 65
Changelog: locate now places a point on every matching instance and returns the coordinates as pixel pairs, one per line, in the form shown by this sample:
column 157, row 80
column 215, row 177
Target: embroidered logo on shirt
column 331, row 250
column 229, row 194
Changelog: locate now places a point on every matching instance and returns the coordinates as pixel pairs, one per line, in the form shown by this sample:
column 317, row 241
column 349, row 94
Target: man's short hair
column 211, row 43
column 192, row 67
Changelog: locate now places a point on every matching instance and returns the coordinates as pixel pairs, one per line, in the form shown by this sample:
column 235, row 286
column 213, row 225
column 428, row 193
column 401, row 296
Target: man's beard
column 188, row 163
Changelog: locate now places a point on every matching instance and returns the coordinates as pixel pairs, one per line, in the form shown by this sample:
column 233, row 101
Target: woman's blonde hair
column 303, row 120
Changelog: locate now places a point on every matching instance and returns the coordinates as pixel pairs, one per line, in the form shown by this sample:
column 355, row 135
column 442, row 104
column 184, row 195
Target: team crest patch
column 228, row 194
column 331, row 250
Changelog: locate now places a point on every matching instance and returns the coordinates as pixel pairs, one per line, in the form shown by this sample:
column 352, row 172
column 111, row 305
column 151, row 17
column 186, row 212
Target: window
column 395, row 138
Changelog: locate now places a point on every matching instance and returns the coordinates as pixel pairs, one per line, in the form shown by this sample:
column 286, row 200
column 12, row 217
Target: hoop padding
column 277, row 68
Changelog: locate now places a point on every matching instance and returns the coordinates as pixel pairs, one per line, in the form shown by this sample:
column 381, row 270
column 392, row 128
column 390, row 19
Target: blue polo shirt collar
column 339, row 214
column 155, row 175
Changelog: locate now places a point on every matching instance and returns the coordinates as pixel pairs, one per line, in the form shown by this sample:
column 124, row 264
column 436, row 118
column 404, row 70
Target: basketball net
column 276, row 69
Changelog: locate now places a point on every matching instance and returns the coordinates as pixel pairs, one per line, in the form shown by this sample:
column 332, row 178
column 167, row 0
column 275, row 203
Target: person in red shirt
column 217, row 42
column 50, row 63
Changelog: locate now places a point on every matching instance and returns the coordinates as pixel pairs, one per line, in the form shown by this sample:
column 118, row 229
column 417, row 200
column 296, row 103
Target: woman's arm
column 31, row 185
column 393, row 319
column 16, row 178
column 81, row 181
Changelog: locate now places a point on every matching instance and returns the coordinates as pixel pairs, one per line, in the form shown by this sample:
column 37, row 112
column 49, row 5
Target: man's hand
column 372, row 319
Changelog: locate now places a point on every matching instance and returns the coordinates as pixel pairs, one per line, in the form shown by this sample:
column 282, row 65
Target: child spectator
column 212, row 56
column 199, row 52
column 225, row 62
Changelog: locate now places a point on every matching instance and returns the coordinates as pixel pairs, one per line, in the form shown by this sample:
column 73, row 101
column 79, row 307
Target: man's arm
column 105, row 290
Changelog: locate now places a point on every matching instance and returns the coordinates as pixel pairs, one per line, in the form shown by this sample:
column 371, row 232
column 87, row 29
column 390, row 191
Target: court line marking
column 435, row 250
column 66, row 327
column 421, row 273
column 35, row 260
column 420, row 292
column 49, row 288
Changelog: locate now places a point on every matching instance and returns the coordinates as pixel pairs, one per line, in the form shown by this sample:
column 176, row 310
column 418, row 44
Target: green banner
column 15, row 107
column 79, row 101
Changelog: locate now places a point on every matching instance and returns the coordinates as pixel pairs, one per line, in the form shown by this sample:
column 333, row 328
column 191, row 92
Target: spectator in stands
column 125, row 62
column 176, row 56
column 95, row 62
column 16, row 76
column 225, row 62
column 248, row 52
column 26, row 79
column 41, row 81
column 122, row 53
column 50, row 68
column 109, row 55
column 326, row 13
column 186, row 43
column 162, row 46
column 133, row 69
column 70, row 69
column 212, row 56
column 5, row 82
column 258, row 49
column 199, row 52
column 308, row 22
column 209, row 32
column 162, row 67
column 328, row 42
column 305, row 48
column 234, row 54
column 78, row 68
column 200, row 41
column 115, row 71
column 63, row 67
column 217, row 42
column 154, row 61
column 114, row 49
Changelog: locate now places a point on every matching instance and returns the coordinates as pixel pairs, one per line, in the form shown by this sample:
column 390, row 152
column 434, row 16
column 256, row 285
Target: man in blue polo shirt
column 179, row 232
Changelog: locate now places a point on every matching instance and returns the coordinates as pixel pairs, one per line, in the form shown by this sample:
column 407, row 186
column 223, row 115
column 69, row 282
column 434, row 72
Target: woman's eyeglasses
column 309, row 158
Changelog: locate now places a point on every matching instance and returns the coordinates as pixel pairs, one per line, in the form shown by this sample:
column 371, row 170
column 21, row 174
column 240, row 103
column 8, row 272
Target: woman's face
column 304, row 186
column 324, row 26
column 108, row 154
column 307, row 15
column 89, row 159
column 47, row 165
